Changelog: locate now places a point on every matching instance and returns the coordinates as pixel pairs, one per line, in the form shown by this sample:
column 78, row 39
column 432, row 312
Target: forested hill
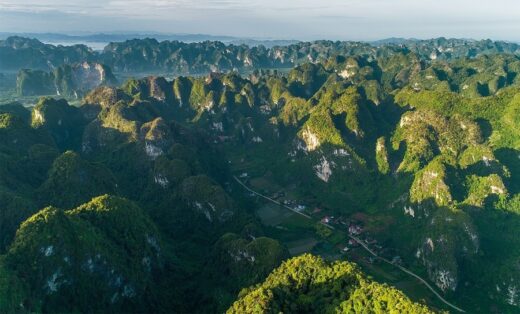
column 191, row 58
column 127, row 202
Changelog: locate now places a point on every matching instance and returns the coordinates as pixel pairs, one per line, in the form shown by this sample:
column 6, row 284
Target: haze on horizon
column 274, row 19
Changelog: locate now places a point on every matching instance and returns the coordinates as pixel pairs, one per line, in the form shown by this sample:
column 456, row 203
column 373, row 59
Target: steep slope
column 72, row 81
column 415, row 147
column 107, row 250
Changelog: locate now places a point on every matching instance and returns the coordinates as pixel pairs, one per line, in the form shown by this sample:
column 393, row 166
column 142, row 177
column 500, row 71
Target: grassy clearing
column 273, row 215
column 299, row 247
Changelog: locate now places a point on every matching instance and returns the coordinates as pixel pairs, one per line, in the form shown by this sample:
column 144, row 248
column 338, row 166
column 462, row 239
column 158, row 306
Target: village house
column 325, row 220
column 353, row 243
column 355, row 229
column 300, row 208
column 396, row 260
column 288, row 202
column 370, row 241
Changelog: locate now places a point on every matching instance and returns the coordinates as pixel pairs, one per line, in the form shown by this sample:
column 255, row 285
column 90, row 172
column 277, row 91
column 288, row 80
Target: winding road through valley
column 360, row 242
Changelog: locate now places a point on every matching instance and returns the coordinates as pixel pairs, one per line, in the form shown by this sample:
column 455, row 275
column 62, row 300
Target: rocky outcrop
column 35, row 83
column 157, row 88
column 254, row 257
column 310, row 139
column 430, row 184
column 207, row 198
column 449, row 237
column 78, row 79
column 156, row 136
column 72, row 81
column 80, row 253
column 324, row 169
column 64, row 122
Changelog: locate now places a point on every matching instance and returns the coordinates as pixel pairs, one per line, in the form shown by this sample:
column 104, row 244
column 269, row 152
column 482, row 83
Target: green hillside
column 134, row 200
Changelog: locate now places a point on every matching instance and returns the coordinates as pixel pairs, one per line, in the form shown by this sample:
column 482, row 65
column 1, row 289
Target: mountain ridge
column 417, row 155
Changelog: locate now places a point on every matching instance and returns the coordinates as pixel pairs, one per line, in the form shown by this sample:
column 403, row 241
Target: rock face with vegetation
column 72, row 81
column 35, row 83
column 81, row 254
column 420, row 142
column 148, row 54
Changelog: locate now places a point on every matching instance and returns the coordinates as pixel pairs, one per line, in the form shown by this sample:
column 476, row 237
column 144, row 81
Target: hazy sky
column 289, row 19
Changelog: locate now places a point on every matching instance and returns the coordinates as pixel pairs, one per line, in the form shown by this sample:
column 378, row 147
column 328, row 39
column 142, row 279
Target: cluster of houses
column 354, row 226
column 294, row 205
column 387, row 253
column 289, row 203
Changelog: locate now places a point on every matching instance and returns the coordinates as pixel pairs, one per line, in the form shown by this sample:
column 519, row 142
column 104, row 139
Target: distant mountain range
column 118, row 37
column 151, row 55
column 188, row 38
column 98, row 37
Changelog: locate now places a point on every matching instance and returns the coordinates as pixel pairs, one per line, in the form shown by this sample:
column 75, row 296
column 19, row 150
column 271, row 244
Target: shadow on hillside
column 511, row 159
column 485, row 127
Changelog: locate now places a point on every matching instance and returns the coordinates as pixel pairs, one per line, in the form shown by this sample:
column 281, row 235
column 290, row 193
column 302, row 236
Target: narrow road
column 409, row 272
column 360, row 242
column 271, row 200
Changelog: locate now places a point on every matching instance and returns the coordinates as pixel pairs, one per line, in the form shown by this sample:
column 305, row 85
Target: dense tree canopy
column 416, row 142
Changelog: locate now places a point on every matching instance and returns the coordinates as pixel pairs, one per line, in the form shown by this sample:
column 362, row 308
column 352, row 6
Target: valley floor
column 285, row 219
